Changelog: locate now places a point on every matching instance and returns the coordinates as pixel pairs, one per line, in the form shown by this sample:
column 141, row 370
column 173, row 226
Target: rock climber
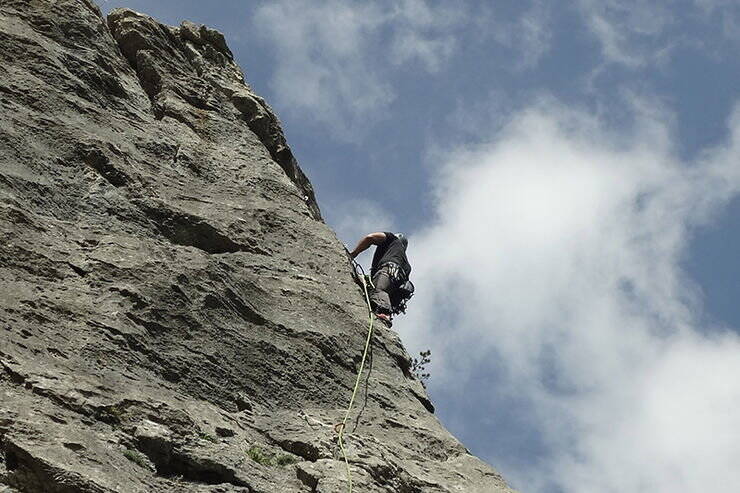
column 389, row 271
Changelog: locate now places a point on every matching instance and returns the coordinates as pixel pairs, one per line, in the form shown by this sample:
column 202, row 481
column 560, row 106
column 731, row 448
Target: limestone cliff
column 174, row 314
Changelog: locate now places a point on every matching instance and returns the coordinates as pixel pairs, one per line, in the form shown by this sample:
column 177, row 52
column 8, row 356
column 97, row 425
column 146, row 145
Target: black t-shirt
column 391, row 250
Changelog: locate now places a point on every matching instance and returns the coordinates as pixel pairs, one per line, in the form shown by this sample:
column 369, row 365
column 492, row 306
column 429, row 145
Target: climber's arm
column 364, row 244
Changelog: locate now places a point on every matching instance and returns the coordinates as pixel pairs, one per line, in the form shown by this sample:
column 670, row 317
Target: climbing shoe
column 386, row 319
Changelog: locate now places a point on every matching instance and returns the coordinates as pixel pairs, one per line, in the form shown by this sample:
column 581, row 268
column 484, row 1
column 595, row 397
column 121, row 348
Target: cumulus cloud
column 553, row 268
column 334, row 57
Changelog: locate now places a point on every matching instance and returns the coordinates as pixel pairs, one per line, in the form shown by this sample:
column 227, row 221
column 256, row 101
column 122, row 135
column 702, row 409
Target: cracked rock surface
column 174, row 314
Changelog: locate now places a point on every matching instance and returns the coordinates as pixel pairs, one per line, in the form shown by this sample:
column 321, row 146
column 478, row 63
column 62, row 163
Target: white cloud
column 432, row 52
column 631, row 32
column 728, row 11
column 536, row 33
column 491, row 113
column 321, row 68
column 353, row 219
column 709, row 6
column 644, row 34
column 334, row 58
column 529, row 35
column 556, row 253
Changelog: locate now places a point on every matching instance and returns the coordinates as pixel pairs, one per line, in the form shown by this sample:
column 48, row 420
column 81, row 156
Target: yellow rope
column 343, row 424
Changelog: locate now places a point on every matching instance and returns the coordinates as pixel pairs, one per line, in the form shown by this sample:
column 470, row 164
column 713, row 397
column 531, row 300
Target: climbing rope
column 339, row 428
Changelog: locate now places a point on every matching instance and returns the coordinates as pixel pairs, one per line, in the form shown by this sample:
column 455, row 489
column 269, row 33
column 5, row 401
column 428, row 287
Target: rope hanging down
column 341, row 426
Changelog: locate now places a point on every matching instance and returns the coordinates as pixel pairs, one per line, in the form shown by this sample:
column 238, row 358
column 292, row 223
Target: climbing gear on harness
column 401, row 296
column 339, row 428
column 394, row 271
column 401, row 289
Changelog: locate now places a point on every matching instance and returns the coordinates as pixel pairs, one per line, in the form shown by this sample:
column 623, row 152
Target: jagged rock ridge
column 175, row 316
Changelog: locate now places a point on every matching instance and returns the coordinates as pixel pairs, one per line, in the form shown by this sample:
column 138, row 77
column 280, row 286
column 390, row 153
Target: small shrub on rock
column 260, row 456
column 135, row 457
column 418, row 366
column 207, row 436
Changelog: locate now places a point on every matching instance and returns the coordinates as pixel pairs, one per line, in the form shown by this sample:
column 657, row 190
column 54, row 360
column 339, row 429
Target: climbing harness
column 339, row 428
column 401, row 289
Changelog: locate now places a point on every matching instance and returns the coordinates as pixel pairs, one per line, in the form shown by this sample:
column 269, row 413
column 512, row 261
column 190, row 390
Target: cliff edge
column 175, row 315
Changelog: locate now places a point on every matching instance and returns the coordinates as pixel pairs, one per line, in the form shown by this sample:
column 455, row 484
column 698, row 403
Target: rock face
column 174, row 314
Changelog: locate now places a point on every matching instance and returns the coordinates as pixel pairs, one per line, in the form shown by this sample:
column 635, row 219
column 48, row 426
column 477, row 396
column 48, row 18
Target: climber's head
column 403, row 239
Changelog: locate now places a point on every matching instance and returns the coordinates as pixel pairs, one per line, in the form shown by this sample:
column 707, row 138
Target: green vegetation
column 260, row 456
column 207, row 436
column 114, row 414
column 135, row 457
column 285, row 460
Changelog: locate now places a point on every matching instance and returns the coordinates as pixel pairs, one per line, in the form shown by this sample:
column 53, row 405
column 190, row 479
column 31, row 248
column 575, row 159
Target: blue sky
column 569, row 176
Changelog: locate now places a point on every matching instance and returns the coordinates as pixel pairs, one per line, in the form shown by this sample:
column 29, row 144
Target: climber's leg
column 379, row 298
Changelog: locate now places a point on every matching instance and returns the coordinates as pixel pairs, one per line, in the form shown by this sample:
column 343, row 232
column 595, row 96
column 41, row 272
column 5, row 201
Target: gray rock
column 175, row 316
